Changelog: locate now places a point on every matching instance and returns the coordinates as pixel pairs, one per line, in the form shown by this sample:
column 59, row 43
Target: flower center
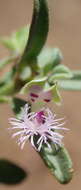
column 40, row 117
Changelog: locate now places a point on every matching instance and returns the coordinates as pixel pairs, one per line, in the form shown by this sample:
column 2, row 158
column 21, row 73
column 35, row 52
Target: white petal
column 32, row 141
column 18, row 133
column 40, row 145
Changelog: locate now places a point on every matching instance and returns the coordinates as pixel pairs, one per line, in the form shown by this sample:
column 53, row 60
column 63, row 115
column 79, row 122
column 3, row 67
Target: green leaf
column 10, row 84
column 49, row 58
column 17, row 41
column 4, row 99
column 17, row 104
column 59, row 162
column 67, row 79
column 4, row 62
column 21, row 38
column 70, row 84
column 38, row 31
column 10, row 173
column 76, row 75
column 60, row 72
column 8, row 89
column 59, row 76
column 62, row 69
column 7, row 86
column 8, row 76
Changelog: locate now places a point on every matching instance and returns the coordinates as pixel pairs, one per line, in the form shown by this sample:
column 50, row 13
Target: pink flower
column 42, row 124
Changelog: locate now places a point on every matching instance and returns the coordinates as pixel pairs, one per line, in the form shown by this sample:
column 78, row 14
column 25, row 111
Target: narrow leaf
column 38, row 30
column 62, row 69
column 59, row 163
column 60, row 72
column 70, row 84
column 77, row 74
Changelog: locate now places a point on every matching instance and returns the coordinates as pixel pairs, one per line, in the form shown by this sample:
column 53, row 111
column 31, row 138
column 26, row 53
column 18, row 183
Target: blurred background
column 65, row 33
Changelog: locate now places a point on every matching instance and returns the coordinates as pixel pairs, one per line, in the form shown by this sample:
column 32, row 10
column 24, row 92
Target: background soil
column 65, row 33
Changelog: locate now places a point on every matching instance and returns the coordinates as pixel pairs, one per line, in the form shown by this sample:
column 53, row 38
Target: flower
column 36, row 93
column 41, row 91
column 42, row 124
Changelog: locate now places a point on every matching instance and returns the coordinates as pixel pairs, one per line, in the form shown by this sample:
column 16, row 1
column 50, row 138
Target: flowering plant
column 38, row 72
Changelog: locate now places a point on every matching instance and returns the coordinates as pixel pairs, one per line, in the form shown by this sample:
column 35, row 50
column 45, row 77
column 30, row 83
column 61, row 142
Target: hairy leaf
column 49, row 58
column 38, row 31
column 61, row 72
column 59, row 163
column 70, row 84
